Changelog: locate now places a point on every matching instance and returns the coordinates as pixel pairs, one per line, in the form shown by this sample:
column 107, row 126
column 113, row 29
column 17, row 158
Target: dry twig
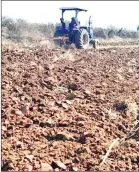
column 109, row 150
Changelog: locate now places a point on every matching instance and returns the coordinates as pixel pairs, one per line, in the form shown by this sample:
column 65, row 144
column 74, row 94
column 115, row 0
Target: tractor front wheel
column 93, row 42
column 82, row 39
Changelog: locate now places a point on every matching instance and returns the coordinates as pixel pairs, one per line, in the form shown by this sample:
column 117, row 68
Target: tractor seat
column 66, row 30
column 63, row 25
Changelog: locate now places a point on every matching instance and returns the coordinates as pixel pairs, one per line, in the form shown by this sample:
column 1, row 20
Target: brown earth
column 114, row 42
column 61, row 110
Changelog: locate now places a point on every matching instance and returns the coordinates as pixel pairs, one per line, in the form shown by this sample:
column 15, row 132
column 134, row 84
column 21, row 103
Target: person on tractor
column 63, row 25
column 72, row 24
column 62, row 22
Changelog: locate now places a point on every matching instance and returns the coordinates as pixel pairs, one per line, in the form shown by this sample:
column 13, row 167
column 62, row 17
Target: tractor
column 74, row 33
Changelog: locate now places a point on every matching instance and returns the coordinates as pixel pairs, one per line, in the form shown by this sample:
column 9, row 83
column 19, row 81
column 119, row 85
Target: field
column 70, row 109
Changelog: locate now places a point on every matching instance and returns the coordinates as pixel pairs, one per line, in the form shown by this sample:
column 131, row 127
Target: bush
column 100, row 33
column 20, row 30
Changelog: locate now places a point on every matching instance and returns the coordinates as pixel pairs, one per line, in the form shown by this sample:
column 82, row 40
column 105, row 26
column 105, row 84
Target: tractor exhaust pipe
column 90, row 21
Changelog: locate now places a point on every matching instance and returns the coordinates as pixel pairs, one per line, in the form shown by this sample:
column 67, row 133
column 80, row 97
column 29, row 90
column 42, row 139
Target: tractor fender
column 83, row 27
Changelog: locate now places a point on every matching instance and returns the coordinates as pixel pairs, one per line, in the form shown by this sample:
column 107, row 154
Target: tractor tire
column 82, row 39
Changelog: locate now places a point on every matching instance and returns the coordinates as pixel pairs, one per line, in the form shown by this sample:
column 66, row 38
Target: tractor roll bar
column 72, row 9
column 76, row 13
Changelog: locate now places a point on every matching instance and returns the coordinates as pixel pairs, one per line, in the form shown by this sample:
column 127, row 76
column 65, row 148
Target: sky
column 104, row 13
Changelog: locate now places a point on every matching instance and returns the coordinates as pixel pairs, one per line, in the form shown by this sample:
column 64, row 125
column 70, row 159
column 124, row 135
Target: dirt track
column 69, row 106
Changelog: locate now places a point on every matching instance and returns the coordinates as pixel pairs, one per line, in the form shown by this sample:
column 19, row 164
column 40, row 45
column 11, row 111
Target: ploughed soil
column 62, row 109
column 123, row 42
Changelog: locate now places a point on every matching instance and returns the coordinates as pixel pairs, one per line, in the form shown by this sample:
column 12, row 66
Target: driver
column 72, row 24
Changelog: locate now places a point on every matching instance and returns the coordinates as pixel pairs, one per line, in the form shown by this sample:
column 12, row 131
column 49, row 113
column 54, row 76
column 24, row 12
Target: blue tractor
column 76, row 34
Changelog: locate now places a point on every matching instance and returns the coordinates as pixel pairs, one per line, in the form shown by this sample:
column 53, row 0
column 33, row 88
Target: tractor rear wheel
column 82, row 39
